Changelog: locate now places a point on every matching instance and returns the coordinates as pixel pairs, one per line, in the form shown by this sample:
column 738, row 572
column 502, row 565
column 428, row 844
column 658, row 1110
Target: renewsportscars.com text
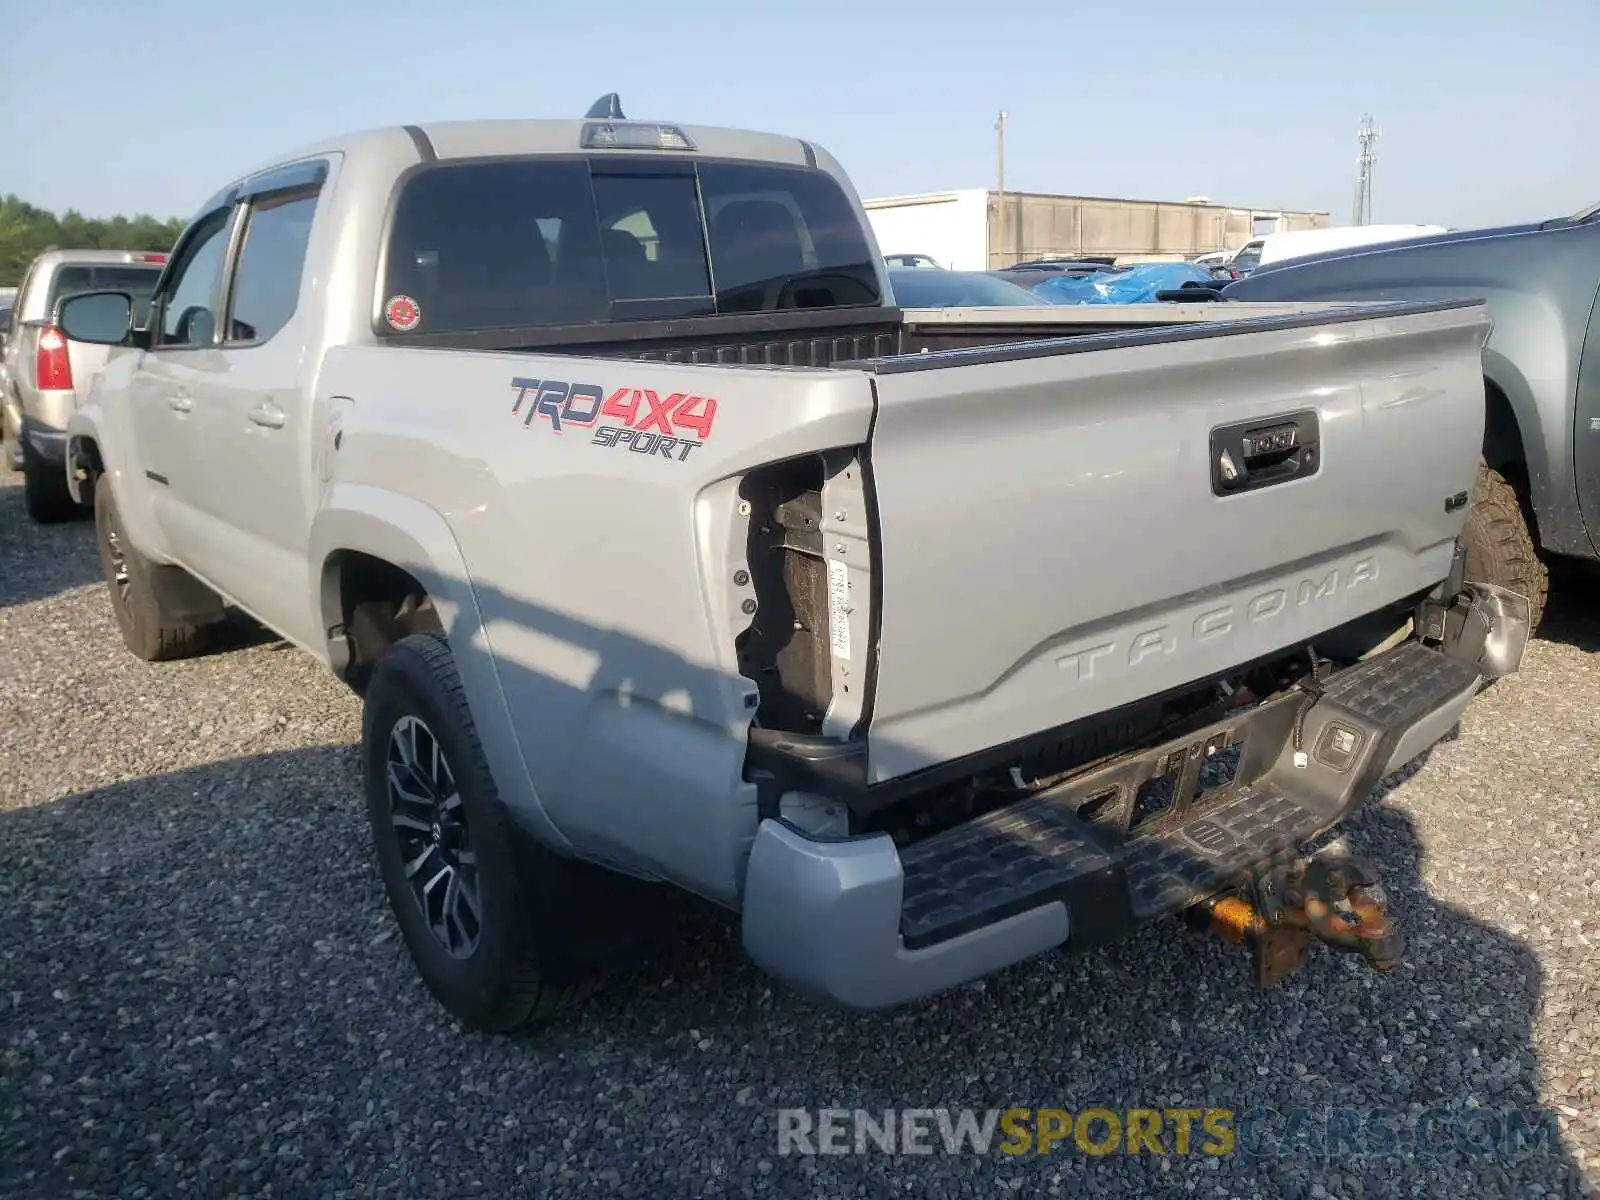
column 1256, row 1132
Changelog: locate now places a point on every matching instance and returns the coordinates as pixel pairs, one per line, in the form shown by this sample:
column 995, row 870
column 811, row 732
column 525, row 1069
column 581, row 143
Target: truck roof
column 514, row 137
column 51, row 258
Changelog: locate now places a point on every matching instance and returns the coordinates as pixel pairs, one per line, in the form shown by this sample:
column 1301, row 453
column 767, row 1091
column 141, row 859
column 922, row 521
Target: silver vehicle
column 663, row 550
column 45, row 375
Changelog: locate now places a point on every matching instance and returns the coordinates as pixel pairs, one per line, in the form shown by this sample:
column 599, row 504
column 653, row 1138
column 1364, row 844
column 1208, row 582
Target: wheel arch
column 101, row 443
column 1518, row 443
column 85, row 465
column 1503, row 445
column 1505, row 450
column 369, row 545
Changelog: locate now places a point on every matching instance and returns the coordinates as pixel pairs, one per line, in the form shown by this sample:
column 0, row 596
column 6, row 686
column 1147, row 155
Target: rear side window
column 522, row 242
column 500, row 243
column 783, row 238
column 266, row 284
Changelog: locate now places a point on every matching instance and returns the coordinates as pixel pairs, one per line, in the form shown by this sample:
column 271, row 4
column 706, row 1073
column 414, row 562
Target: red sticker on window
column 402, row 313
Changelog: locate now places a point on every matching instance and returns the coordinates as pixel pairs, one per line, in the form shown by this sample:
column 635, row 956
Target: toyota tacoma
column 664, row 548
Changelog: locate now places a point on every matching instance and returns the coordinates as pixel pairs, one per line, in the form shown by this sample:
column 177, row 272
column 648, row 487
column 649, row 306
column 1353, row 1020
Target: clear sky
column 1488, row 109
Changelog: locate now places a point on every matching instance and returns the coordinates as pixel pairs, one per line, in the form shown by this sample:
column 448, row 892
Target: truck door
column 259, row 446
column 1586, row 429
column 164, row 390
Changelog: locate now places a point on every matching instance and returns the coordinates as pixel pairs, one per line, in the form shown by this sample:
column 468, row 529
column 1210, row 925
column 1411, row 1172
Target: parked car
column 5, row 332
column 1539, row 489
column 690, row 566
column 956, row 289
column 1087, row 262
column 1031, row 274
column 1060, row 266
column 1299, row 243
column 45, row 375
column 915, row 262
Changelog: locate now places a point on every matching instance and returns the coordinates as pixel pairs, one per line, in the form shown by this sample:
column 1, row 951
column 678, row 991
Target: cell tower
column 1366, row 135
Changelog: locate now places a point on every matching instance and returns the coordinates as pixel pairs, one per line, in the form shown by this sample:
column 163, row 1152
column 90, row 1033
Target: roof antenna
column 608, row 107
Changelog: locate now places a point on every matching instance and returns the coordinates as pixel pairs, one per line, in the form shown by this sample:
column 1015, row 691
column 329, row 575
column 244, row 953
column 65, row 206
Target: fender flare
column 1506, row 377
column 416, row 538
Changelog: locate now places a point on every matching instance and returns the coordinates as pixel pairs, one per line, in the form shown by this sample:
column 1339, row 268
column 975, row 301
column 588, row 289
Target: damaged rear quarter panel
column 603, row 571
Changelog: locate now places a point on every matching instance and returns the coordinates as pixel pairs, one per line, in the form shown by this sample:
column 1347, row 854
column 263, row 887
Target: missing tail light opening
column 797, row 647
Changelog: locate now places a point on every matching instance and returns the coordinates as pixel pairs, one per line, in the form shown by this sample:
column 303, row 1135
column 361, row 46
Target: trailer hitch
column 1334, row 897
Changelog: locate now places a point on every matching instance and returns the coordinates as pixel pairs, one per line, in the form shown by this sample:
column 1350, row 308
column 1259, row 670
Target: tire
column 45, row 489
column 512, row 951
column 144, row 628
column 1500, row 548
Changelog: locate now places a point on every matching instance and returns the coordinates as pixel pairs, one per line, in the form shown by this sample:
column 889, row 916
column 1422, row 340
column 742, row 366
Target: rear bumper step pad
column 1039, row 851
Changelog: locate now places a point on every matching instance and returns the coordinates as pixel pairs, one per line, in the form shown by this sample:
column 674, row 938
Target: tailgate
column 1058, row 538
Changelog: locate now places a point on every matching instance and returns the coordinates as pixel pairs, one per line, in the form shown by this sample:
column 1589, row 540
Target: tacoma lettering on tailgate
column 1220, row 622
column 643, row 422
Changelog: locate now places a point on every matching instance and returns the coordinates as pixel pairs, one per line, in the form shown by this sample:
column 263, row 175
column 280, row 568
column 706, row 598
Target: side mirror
column 99, row 318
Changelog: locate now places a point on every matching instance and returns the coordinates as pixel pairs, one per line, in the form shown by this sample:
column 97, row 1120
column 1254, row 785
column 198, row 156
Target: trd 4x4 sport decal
column 635, row 419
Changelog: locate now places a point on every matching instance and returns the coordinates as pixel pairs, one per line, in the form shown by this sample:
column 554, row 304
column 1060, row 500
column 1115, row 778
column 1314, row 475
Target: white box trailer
column 952, row 228
column 963, row 230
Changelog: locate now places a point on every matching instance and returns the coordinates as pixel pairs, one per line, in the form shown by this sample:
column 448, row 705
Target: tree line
column 26, row 231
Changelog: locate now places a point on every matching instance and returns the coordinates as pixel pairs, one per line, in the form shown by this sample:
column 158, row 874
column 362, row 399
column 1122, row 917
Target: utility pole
column 1366, row 135
column 1000, row 194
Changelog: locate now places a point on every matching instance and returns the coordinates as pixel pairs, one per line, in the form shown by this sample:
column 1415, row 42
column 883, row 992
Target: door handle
column 267, row 414
column 180, row 402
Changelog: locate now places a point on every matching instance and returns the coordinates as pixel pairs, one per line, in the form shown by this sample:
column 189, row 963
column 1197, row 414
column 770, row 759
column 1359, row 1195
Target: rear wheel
column 1500, row 547
column 145, row 628
column 44, row 486
column 494, row 921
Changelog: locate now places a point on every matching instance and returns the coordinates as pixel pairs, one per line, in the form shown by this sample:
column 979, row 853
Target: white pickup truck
column 664, row 548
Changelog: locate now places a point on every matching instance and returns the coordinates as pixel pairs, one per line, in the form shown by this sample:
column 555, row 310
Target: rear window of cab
column 528, row 242
column 138, row 281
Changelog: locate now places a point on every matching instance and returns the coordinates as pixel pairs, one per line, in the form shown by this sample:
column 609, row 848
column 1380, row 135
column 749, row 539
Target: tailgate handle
column 1255, row 454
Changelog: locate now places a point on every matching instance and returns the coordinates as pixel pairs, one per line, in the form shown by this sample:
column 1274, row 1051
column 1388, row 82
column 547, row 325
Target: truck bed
column 1053, row 483
column 832, row 338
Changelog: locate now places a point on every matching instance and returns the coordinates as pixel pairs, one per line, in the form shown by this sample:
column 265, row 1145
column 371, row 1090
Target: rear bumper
column 863, row 923
column 49, row 409
column 48, row 443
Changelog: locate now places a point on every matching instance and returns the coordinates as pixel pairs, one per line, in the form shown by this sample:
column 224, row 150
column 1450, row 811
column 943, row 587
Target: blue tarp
column 1132, row 285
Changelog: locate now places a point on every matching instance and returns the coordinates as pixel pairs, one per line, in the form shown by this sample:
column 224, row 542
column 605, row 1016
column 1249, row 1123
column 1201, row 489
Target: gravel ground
column 202, row 992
